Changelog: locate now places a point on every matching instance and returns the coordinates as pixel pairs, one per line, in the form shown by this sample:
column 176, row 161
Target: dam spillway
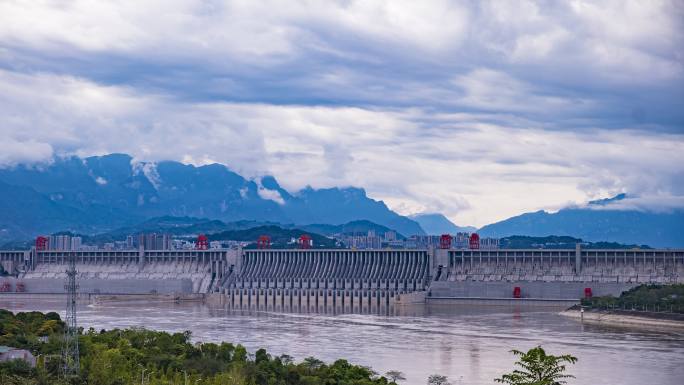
column 315, row 277
column 320, row 279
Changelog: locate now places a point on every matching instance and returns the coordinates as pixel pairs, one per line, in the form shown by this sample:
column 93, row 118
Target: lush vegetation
column 559, row 242
column 123, row 357
column 645, row 297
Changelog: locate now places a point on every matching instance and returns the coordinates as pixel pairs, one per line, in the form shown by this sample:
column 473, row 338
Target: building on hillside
column 390, row 236
column 76, row 243
column 369, row 241
column 153, row 241
column 461, row 241
column 422, row 241
column 130, row 243
column 8, row 353
column 59, row 242
column 489, row 243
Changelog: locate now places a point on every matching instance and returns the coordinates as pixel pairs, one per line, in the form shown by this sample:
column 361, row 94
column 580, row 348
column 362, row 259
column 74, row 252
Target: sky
column 479, row 110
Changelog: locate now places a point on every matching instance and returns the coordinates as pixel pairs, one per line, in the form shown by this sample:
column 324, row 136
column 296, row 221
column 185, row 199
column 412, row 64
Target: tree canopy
column 538, row 368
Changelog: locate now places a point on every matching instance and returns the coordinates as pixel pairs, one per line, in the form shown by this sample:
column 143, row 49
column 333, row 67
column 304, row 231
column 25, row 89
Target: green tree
column 395, row 375
column 538, row 368
column 312, row 363
column 438, row 379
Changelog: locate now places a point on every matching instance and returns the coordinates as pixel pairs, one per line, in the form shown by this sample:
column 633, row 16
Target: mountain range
column 101, row 193
column 597, row 222
column 437, row 224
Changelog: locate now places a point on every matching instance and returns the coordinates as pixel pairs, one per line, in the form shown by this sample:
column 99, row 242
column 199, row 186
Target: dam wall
column 559, row 290
column 579, row 265
column 103, row 285
column 272, row 279
column 551, row 274
column 351, row 280
column 122, row 272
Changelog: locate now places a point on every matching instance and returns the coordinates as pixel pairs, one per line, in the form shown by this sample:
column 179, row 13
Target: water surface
column 469, row 344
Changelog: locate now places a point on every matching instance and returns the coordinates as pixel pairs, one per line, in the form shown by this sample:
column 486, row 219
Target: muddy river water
column 468, row 344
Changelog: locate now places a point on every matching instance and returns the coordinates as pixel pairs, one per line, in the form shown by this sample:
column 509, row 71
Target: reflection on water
column 469, row 344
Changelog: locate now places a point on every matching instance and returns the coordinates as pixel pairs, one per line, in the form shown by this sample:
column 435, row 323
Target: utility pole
column 70, row 355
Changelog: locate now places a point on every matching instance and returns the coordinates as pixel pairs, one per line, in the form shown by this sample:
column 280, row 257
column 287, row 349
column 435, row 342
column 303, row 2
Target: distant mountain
column 103, row 193
column 437, row 224
column 281, row 236
column 597, row 222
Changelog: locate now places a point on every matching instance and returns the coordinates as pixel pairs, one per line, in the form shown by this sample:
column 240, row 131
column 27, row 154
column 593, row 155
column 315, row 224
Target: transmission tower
column 70, row 348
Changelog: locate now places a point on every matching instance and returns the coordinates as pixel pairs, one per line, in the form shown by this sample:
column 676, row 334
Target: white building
column 8, row 353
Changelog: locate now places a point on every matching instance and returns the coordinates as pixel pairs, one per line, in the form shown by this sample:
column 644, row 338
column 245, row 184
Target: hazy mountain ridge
column 437, row 224
column 597, row 225
column 103, row 193
column 190, row 227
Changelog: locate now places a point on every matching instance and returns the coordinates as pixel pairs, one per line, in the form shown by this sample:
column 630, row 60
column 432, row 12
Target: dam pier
column 352, row 280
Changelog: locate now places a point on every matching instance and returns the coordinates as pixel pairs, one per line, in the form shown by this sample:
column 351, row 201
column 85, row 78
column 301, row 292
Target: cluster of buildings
column 460, row 241
column 59, row 242
column 151, row 241
column 370, row 240
column 144, row 241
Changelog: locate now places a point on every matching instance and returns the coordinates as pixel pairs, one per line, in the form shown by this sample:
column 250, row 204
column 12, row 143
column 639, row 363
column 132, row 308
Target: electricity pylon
column 70, row 349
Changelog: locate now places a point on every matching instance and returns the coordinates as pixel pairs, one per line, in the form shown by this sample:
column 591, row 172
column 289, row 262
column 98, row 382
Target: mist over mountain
column 436, row 224
column 597, row 222
column 101, row 193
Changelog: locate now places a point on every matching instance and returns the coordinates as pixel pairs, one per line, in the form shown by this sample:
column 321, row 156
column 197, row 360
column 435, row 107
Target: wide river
column 468, row 344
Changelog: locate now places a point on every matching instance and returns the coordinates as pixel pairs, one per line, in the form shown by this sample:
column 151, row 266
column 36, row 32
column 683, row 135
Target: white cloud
column 659, row 203
column 271, row 195
column 479, row 110
column 23, row 150
column 473, row 171
column 149, row 169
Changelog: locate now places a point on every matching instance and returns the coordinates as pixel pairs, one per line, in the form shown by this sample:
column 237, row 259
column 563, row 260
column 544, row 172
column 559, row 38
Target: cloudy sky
column 476, row 109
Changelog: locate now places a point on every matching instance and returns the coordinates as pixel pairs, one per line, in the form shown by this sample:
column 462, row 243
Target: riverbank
column 627, row 317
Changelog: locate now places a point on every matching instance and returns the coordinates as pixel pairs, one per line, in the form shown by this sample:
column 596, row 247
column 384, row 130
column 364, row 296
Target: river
column 468, row 344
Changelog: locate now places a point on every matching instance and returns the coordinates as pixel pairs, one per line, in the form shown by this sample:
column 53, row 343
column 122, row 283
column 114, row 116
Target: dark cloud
column 545, row 101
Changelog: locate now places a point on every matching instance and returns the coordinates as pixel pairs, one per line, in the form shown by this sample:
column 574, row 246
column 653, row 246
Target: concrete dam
column 315, row 278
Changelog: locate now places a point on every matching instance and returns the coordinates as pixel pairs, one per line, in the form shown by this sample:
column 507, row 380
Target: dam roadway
column 315, row 278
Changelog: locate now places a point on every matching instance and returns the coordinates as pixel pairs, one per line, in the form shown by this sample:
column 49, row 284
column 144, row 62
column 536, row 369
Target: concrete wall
column 371, row 273
column 105, row 286
column 539, row 290
column 311, row 300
